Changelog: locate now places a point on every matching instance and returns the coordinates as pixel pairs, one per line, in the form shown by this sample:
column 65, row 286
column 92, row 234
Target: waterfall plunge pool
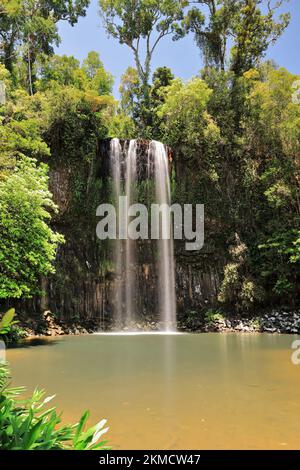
column 172, row 391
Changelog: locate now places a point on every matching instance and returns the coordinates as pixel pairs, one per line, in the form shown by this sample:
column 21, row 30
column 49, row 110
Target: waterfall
column 115, row 168
column 128, row 170
column 130, row 275
column 166, row 268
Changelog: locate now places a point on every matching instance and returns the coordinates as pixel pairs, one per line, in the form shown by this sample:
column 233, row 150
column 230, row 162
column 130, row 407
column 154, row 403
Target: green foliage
column 130, row 91
column 210, row 33
column 184, row 114
column 144, row 112
column 27, row 244
column 253, row 33
column 9, row 330
column 100, row 80
column 7, row 321
column 280, row 257
column 75, row 121
column 162, row 78
column 213, row 315
column 60, row 71
column 21, row 128
column 273, row 127
column 30, row 424
column 256, row 323
column 284, row 244
column 16, row 334
column 33, row 25
column 63, row 119
column 122, row 126
column 236, row 132
column 238, row 288
column 237, row 145
column 240, row 22
column 132, row 22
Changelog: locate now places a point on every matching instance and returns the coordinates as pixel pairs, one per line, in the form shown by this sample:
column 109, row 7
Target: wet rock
column 270, row 322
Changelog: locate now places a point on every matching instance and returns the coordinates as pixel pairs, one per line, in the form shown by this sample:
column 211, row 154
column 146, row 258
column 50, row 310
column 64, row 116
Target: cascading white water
column 124, row 167
column 115, row 168
column 130, row 276
column 166, row 267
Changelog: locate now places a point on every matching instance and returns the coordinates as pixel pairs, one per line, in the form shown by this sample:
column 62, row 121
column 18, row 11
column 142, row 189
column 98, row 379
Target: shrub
column 238, row 289
column 30, row 425
column 7, row 322
column 27, row 244
column 9, row 330
column 212, row 316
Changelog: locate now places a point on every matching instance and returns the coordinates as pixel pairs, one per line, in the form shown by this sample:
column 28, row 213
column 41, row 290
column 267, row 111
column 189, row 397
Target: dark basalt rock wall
column 84, row 286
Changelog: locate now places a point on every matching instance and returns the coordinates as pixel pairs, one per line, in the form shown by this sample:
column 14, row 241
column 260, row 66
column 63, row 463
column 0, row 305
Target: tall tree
column 250, row 26
column 99, row 79
column 130, row 91
column 253, row 32
column 210, row 21
column 162, row 78
column 32, row 24
column 9, row 17
column 141, row 25
column 133, row 101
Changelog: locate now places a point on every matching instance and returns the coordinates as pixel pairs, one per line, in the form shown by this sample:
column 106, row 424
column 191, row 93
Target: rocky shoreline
column 287, row 322
column 48, row 325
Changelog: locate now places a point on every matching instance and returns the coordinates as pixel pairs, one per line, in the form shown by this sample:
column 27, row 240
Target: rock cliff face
column 84, row 285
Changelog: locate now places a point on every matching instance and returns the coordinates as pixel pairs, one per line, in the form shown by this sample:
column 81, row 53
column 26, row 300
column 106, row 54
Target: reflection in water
column 27, row 343
column 173, row 391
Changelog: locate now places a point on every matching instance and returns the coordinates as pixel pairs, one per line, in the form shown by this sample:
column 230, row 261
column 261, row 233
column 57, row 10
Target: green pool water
column 189, row 391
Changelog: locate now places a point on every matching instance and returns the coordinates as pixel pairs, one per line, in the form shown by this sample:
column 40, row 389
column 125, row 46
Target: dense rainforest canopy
column 235, row 127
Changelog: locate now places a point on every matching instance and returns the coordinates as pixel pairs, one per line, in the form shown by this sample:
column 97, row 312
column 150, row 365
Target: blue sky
column 181, row 56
